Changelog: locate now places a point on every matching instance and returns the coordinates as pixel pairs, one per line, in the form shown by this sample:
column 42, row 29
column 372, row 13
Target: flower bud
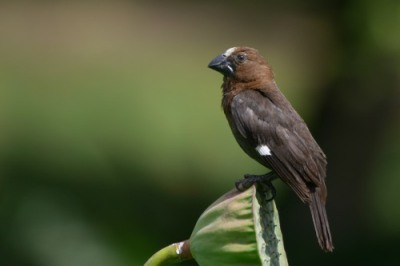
column 240, row 228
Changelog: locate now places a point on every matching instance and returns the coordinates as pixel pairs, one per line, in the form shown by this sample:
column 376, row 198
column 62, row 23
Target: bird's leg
column 250, row 180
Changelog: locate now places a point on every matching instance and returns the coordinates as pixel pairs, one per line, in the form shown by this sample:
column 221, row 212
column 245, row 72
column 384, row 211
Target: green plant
column 240, row 228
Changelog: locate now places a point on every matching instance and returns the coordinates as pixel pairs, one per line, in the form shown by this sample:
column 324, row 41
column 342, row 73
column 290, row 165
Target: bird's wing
column 280, row 140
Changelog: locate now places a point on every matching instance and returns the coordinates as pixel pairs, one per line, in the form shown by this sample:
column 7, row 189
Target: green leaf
column 240, row 228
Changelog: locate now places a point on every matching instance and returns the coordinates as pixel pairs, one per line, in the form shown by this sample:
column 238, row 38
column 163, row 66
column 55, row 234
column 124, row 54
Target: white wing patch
column 263, row 150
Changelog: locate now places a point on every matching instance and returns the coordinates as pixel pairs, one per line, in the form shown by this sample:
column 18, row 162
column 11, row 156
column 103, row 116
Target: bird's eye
column 241, row 58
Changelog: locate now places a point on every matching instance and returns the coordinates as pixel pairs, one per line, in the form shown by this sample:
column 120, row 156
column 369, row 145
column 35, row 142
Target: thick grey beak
column 222, row 65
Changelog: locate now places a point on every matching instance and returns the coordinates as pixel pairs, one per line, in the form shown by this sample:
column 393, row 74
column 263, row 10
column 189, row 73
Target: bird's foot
column 250, row 180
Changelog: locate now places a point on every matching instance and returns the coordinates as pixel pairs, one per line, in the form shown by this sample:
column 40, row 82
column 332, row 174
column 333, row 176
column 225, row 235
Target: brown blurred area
column 113, row 141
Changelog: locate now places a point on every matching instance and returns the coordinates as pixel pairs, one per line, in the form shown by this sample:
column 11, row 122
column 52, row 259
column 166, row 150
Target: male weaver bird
column 269, row 130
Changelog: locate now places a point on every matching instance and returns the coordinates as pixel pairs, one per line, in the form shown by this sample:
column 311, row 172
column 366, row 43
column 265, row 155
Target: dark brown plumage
column 270, row 131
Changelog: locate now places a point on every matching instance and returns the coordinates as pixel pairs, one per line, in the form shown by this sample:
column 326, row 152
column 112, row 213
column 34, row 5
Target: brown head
column 242, row 64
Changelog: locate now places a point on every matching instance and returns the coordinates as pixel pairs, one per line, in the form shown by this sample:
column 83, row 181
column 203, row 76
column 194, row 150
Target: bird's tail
column 320, row 219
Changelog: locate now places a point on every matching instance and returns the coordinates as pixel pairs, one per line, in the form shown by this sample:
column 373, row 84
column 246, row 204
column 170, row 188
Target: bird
column 269, row 130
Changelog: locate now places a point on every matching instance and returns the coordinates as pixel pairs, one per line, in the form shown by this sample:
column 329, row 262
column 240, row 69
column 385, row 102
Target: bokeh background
column 113, row 142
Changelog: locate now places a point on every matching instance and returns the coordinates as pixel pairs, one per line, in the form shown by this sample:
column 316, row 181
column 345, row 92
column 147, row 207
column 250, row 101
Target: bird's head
column 241, row 63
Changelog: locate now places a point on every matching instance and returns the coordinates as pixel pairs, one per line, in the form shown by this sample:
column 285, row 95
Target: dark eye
column 241, row 58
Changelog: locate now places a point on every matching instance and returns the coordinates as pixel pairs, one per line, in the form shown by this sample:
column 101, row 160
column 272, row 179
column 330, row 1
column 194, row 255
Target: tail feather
column 320, row 219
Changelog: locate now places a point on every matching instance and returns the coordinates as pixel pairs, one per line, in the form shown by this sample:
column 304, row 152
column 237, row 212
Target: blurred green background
column 113, row 142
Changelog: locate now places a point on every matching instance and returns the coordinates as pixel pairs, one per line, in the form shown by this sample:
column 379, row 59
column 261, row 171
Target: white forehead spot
column 229, row 51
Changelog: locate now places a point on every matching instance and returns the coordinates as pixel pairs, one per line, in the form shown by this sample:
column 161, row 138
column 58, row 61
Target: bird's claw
column 249, row 180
